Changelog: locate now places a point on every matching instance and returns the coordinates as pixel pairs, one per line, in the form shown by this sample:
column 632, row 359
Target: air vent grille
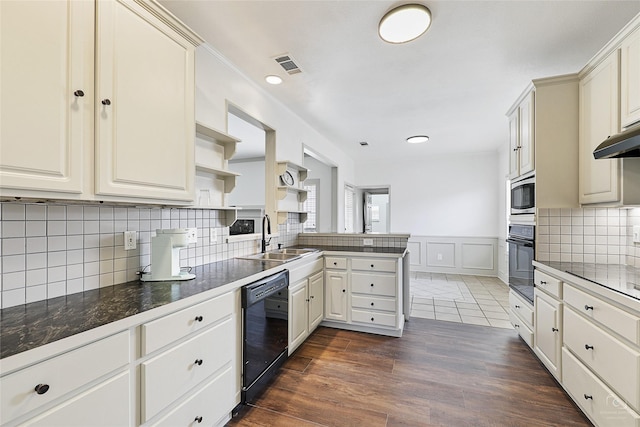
column 289, row 65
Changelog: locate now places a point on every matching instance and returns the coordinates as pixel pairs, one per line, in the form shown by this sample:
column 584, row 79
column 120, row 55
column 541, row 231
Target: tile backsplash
column 590, row 235
column 51, row 250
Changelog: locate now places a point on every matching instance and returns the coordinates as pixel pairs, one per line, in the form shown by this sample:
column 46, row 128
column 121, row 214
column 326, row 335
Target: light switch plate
column 130, row 238
column 192, row 235
column 636, row 234
column 213, row 235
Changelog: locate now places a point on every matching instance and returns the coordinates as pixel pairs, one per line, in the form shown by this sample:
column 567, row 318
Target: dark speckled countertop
column 619, row 278
column 31, row 325
column 28, row 326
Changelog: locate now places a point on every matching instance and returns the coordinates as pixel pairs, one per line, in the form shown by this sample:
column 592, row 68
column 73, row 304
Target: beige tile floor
column 474, row 300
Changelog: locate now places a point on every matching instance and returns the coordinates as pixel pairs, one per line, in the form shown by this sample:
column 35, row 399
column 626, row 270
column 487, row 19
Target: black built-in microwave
column 523, row 196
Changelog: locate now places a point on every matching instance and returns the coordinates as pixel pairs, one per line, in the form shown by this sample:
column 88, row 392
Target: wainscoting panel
column 454, row 255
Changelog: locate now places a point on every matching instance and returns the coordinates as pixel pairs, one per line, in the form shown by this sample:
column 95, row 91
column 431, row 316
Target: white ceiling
column 455, row 83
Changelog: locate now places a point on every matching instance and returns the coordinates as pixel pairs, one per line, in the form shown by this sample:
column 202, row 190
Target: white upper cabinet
column 144, row 105
column 46, row 52
column 599, row 118
column 97, row 102
column 521, row 137
column 630, row 80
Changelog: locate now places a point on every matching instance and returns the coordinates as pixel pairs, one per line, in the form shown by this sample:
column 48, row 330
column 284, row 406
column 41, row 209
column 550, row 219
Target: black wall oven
column 521, row 254
column 265, row 327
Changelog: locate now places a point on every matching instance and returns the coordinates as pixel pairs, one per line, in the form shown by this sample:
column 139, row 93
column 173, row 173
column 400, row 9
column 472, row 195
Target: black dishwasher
column 265, row 326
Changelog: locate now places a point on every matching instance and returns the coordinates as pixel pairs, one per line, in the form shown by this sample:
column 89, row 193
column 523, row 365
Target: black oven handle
column 525, row 243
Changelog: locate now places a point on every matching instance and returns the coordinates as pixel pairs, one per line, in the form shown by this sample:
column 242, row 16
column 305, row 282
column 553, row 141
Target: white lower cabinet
column 26, row 391
column 599, row 402
column 596, row 346
column 364, row 293
column 521, row 317
column 548, row 331
column 90, row 408
column 336, row 295
column 306, row 309
column 208, row 405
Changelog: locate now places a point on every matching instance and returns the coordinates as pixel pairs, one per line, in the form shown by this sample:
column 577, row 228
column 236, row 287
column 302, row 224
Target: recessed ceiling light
column 417, row 139
column 404, row 23
column 273, row 80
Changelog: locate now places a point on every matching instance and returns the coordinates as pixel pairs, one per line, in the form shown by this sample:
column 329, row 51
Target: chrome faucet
column 266, row 242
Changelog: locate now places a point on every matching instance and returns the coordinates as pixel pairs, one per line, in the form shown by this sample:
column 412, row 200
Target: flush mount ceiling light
column 273, row 80
column 404, row 23
column 417, row 139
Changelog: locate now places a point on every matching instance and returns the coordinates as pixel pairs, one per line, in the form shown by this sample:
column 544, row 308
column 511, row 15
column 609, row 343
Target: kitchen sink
column 280, row 255
column 272, row 257
column 294, row 251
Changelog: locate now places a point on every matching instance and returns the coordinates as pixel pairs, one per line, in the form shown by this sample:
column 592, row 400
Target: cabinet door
column 299, row 315
column 336, row 295
column 526, row 151
column 548, row 339
column 144, row 105
column 316, row 300
column 107, row 404
column 513, row 145
column 599, row 179
column 630, row 80
column 46, row 49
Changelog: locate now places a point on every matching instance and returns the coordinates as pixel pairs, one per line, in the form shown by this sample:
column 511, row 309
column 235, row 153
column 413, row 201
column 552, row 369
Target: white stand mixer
column 165, row 256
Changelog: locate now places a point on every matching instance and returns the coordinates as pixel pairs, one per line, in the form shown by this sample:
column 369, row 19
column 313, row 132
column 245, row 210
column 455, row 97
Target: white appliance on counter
column 165, row 256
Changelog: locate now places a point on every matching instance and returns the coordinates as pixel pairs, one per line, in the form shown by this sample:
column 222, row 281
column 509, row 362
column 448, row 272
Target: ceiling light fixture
column 404, row 23
column 417, row 139
column 273, row 80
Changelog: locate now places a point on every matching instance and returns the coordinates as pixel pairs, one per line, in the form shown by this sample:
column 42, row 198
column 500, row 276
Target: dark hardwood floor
column 438, row 374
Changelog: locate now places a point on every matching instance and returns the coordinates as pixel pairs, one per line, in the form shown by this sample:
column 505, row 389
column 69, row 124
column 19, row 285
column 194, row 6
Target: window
column 349, row 208
column 311, row 205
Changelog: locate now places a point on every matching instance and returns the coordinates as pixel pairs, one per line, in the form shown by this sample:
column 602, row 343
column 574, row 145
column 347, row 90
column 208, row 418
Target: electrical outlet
column 213, row 235
column 636, row 234
column 192, row 235
column 130, row 238
column 367, row 242
column 439, row 257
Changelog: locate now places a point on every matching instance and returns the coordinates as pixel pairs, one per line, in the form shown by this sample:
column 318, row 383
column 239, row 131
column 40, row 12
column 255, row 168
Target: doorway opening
column 323, row 193
column 376, row 210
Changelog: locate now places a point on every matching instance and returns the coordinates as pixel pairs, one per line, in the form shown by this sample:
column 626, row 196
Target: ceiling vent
column 286, row 62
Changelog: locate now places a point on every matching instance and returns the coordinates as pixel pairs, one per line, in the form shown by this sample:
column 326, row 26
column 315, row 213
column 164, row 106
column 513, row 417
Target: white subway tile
column 75, row 213
column 75, row 286
column 13, row 263
column 106, row 280
column 56, row 274
column 56, row 243
column 75, row 242
column 91, row 269
column 75, row 256
column 91, row 227
column 36, row 293
column 36, row 277
column 91, row 282
column 75, row 227
column 13, row 280
column 91, row 213
column 13, row 212
column 13, row 229
column 56, row 289
column 37, row 260
column 56, row 228
column 13, row 297
column 75, row 271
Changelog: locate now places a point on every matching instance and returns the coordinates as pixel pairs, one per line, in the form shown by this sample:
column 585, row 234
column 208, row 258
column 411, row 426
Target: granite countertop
column 28, row 326
column 31, row 325
column 620, row 278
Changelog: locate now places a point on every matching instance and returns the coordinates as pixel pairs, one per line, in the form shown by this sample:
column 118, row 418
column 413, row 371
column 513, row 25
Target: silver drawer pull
column 587, row 396
column 198, row 362
column 554, row 329
column 542, row 282
column 588, row 307
column 588, row 347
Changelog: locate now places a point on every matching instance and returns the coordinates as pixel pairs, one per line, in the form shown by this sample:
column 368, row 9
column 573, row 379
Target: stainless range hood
column 624, row 144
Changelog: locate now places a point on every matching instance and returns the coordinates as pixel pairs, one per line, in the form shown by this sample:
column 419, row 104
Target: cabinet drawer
column 373, row 318
column 158, row 333
column 617, row 364
column 521, row 327
column 91, row 407
column 521, row 308
column 373, row 303
column 219, row 391
column 549, row 284
column 593, row 396
column 612, row 317
column 335, row 263
column 88, row 363
column 374, row 264
column 173, row 373
column 373, row 284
